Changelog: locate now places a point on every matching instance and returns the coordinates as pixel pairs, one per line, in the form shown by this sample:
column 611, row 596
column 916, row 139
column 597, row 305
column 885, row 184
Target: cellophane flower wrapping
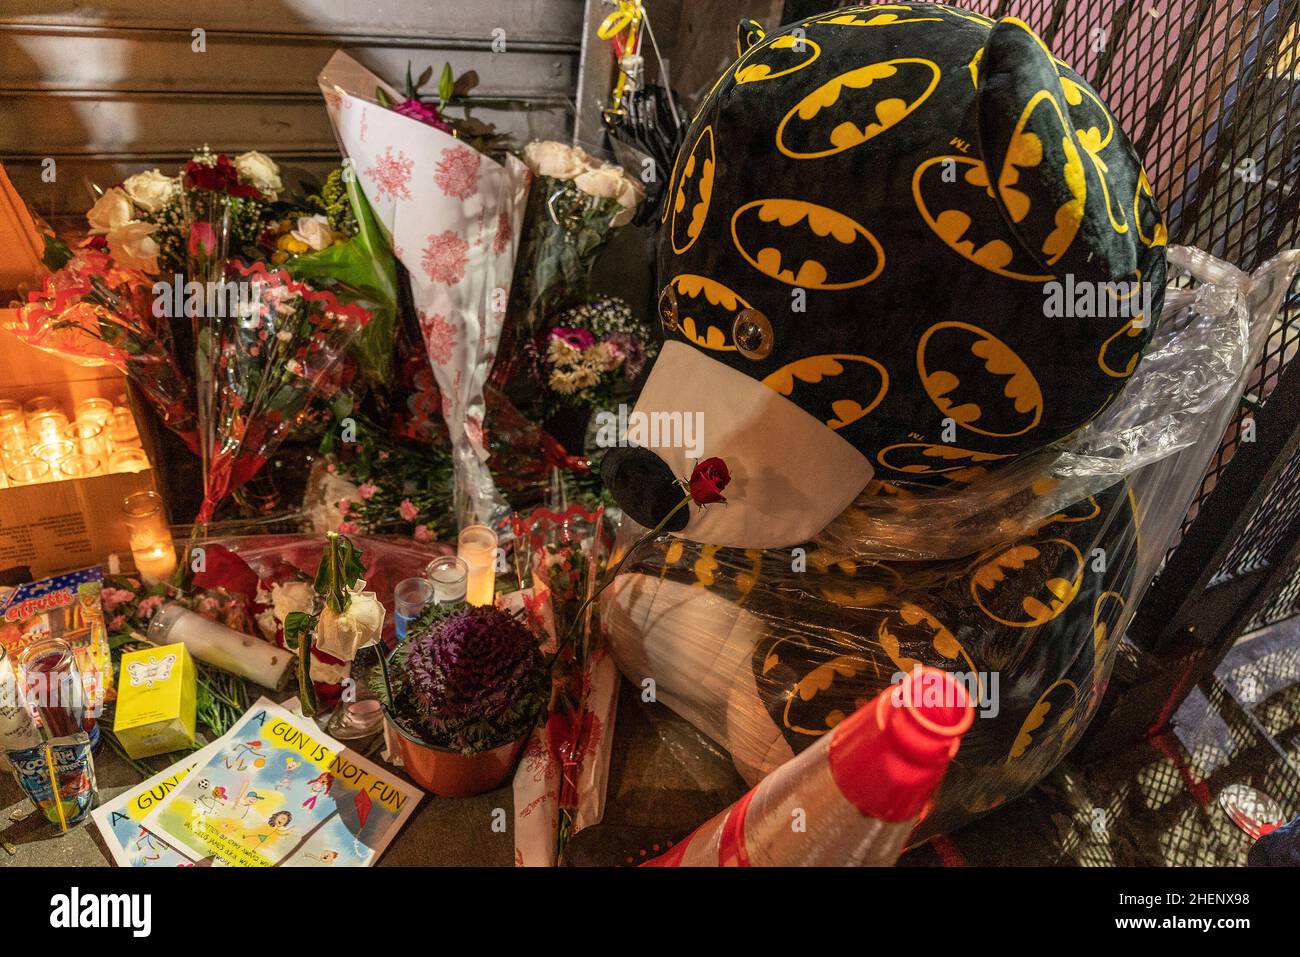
column 94, row 312
column 453, row 217
column 1020, row 582
column 268, row 362
column 559, row 787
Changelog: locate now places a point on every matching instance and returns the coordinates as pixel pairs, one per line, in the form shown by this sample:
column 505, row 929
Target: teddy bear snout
column 644, row 486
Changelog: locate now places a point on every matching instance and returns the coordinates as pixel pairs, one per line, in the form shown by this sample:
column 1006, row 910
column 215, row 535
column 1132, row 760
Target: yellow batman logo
column 876, row 15
column 830, row 119
column 954, row 197
column 1123, row 368
column 1159, row 235
column 955, row 341
column 1025, row 151
column 813, row 369
column 914, row 629
column 783, row 56
column 921, row 458
column 1030, row 584
column 1038, row 714
column 694, row 192
column 700, row 303
column 828, row 250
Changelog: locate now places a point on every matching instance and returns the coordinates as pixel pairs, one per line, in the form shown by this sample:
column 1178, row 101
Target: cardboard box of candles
column 71, row 451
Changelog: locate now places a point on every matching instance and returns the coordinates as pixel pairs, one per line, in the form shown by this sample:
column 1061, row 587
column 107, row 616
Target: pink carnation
column 112, row 597
column 367, row 491
column 147, row 608
column 407, row 510
column 423, row 535
column 349, row 528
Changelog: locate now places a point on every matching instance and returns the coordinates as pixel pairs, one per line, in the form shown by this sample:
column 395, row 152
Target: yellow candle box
column 155, row 701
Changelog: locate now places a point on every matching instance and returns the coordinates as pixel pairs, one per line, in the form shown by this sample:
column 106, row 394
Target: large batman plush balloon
column 904, row 247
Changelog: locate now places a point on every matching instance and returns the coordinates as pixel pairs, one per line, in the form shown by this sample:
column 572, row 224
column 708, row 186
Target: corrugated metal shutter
column 111, row 87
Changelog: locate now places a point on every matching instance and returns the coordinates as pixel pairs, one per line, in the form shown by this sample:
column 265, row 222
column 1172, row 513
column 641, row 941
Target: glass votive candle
column 12, row 419
column 31, row 471
column 94, row 410
column 81, row 466
column 90, row 438
column 410, row 598
column 42, row 405
column 128, row 460
column 16, row 447
column 449, row 576
column 122, row 432
column 47, row 426
column 151, row 538
column 54, row 451
column 477, row 547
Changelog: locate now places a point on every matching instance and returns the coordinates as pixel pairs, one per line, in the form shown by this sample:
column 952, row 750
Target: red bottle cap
column 889, row 756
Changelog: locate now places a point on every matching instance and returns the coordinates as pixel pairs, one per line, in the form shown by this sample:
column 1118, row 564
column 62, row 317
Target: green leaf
column 410, row 87
column 57, row 254
column 446, row 84
column 297, row 625
column 382, row 98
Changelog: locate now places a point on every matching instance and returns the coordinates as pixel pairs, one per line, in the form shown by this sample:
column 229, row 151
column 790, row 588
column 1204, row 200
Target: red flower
column 220, row 177
column 708, row 479
column 203, row 239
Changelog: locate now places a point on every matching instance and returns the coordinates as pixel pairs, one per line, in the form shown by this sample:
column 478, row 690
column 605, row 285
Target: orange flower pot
column 452, row 774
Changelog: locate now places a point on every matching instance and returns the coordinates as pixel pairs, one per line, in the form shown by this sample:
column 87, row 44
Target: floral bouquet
column 95, row 311
column 593, row 354
column 268, row 364
column 452, row 214
column 560, row 786
column 577, row 206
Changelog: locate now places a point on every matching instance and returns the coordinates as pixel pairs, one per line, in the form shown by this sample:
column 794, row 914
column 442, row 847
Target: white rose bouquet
column 577, row 204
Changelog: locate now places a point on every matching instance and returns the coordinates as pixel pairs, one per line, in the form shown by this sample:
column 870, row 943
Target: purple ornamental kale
column 479, row 665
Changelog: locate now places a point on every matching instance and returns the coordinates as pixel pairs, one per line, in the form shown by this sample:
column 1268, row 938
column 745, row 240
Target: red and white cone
column 850, row 799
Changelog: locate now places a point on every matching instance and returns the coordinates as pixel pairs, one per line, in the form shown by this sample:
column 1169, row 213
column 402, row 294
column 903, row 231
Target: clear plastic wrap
column 1018, row 581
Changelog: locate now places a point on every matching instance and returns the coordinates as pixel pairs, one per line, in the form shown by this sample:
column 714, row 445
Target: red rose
column 220, row 177
column 203, row 239
column 708, row 479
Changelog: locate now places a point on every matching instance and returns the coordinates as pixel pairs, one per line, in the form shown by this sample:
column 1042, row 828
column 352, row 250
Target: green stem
column 587, row 602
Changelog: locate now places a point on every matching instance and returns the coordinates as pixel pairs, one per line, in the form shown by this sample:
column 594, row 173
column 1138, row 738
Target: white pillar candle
column 477, row 547
column 258, row 661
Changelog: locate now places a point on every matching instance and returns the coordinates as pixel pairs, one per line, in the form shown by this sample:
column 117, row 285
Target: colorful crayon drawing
column 279, row 792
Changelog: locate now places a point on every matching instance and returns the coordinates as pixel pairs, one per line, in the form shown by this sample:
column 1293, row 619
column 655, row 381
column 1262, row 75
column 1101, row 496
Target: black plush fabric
column 893, row 186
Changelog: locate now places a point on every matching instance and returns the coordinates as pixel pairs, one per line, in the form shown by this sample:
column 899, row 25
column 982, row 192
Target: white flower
column 314, row 231
column 110, row 211
column 340, row 635
column 259, row 170
column 609, row 181
column 549, row 158
column 150, row 191
column 324, row 492
column 288, row 597
column 133, row 246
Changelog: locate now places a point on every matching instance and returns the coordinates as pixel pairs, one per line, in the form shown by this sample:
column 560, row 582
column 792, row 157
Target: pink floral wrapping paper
column 453, row 217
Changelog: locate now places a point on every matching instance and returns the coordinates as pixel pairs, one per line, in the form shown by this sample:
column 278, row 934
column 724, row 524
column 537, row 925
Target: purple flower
column 424, row 113
column 632, row 351
column 577, row 338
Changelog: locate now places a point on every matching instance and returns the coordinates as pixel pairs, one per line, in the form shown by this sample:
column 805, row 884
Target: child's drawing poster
column 279, row 791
